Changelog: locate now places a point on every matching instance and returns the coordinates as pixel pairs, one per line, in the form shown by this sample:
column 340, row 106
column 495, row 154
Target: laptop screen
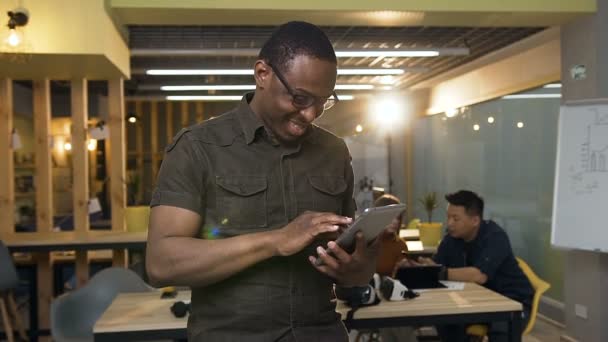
column 420, row 277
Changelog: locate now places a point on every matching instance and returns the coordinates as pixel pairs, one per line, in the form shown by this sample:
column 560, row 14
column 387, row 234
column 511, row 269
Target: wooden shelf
column 24, row 194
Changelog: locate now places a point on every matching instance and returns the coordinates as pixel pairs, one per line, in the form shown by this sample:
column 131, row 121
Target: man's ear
column 262, row 74
column 476, row 220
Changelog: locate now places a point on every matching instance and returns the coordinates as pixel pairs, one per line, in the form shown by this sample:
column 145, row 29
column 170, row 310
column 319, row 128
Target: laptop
column 420, row 277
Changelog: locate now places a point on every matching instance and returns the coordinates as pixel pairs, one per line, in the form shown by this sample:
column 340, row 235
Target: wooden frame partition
column 7, row 173
column 80, row 171
column 43, row 167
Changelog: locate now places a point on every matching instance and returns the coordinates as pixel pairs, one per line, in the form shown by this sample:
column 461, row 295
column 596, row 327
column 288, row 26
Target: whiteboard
column 580, row 198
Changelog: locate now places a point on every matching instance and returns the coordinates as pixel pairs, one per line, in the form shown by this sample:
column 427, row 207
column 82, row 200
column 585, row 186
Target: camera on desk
column 394, row 290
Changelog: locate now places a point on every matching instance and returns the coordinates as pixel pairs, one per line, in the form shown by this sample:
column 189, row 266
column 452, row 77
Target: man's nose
column 312, row 112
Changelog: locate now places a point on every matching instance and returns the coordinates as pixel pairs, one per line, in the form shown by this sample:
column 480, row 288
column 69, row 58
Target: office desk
column 141, row 316
column 59, row 241
column 144, row 316
column 474, row 304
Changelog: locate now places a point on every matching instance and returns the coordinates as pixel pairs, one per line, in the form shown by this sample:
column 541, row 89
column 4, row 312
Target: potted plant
column 430, row 232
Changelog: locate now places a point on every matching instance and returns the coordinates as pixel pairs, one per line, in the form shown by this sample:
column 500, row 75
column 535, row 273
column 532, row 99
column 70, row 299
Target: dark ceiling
column 161, row 44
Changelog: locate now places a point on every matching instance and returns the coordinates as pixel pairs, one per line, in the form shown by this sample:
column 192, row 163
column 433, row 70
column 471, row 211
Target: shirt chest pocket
column 327, row 193
column 241, row 201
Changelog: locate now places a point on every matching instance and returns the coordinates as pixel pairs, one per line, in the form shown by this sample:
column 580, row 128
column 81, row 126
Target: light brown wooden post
column 42, row 128
column 44, row 193
column 200, row 114
column 169, row 112
column 7, row 171
column 116, row 108
column 185, row 115
column 154, row 139
column 139, row 149
column 80, row 167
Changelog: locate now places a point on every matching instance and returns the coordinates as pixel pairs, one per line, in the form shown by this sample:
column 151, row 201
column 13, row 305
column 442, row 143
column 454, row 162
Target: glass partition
column 504, row 150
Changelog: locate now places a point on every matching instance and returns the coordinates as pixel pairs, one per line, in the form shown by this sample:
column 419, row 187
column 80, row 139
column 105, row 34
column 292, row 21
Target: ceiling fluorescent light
column 204, row 98
column 252, row 87
column 165, row 72
column 532, row 96
column 354, row 86
column 200, row 72
column 370, row 71
column 387, row 53
column 254, row 52
column 208, row 87
column 553, row 85
column 227, row 97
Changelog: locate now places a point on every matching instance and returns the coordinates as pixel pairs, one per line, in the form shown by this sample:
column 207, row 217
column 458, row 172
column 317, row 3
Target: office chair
column 74, row 314
column 540, row 287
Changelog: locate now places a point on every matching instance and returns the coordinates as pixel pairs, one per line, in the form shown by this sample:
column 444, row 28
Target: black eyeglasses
column 302, row 101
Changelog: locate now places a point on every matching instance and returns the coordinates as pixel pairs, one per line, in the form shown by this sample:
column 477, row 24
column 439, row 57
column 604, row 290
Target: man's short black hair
column 296, row 38
column 472, row 203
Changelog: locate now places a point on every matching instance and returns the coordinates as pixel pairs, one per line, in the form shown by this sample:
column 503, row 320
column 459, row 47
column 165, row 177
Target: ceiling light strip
column 532, row 96
column 226, row 97
column 195, row 72
column 254, row 52
column 241, row 87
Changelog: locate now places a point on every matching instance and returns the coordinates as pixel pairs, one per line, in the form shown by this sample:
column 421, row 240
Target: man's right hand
column 304, row 229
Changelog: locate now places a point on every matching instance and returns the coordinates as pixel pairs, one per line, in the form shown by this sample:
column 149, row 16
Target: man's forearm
column 186, row 261
column 467, row 274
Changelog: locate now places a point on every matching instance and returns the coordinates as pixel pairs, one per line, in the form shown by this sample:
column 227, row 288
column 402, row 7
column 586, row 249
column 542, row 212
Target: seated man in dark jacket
column 478, row 251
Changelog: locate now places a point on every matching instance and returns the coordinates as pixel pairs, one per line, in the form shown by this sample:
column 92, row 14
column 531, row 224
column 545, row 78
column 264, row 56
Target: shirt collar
column 250, row 123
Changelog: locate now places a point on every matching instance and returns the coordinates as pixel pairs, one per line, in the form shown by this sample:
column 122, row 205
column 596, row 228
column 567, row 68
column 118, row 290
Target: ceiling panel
column 478, row 40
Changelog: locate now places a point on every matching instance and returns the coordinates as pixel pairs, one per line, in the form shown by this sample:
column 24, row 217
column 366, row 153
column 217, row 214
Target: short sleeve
column 180, row 181
column 495, row 251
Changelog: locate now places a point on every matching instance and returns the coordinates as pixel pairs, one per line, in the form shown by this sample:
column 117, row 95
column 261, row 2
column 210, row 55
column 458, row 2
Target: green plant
column 429, row 203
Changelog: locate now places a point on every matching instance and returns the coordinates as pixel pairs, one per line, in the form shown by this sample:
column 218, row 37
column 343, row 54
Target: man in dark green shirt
column 246, row 202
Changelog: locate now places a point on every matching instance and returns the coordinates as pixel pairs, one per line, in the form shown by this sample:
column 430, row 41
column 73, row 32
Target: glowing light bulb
column 67, row 146
column 13, row 38
column 491, row 119
column 476, row 127
column 451, row 112
column 132, row 119
column 520, row 124
column 359, row 128
column 92, row 145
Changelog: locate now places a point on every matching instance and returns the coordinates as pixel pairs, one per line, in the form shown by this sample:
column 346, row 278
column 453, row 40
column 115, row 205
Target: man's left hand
column 354, row 269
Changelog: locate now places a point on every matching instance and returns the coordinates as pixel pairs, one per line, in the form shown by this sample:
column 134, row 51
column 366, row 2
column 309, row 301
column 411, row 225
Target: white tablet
column 371, row 223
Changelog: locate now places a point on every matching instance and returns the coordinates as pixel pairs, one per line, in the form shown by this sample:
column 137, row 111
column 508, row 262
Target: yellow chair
column 540, row 286
column 137, row 218
column 413, row 224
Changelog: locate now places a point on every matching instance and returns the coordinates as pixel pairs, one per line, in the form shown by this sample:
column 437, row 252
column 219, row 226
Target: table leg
column 515, row 327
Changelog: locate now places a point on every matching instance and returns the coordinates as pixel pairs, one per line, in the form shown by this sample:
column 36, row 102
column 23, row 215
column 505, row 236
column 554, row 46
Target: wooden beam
column 7, row 171
column 139, row 149
column 44, row 166
column 169, row 126
column 80, row 167
column 116, row 108
column 44, row 193
column 154, row 138
column 185, row 114
column 200, row 114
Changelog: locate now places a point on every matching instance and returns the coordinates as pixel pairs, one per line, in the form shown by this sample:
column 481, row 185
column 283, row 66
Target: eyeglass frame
column 293, row 94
